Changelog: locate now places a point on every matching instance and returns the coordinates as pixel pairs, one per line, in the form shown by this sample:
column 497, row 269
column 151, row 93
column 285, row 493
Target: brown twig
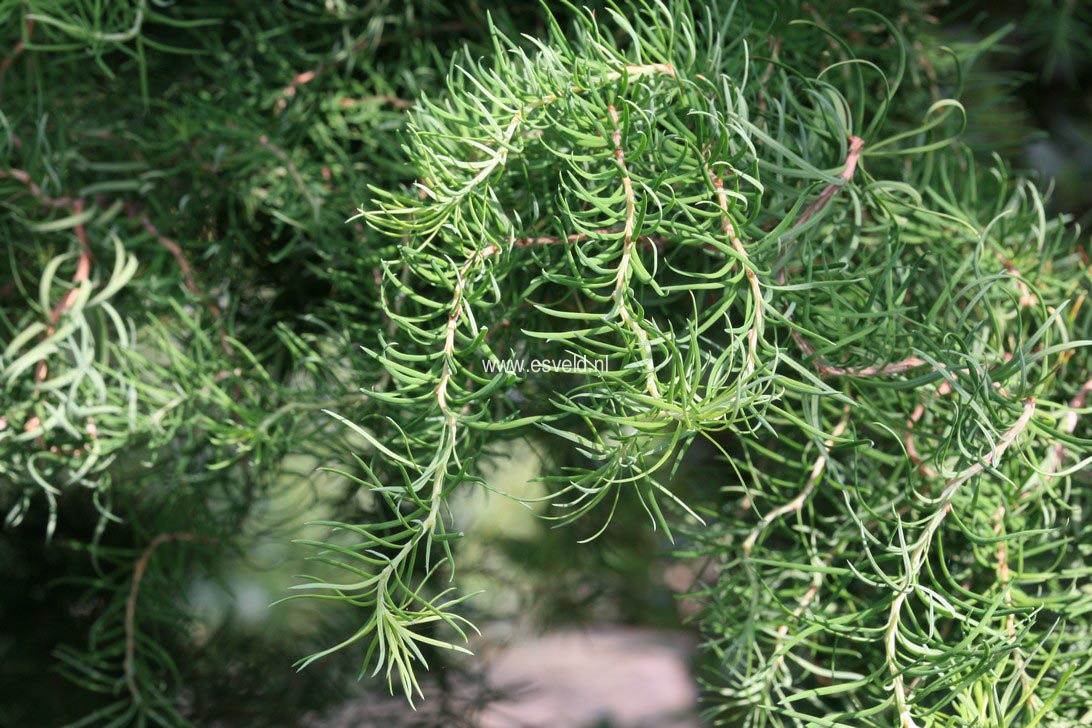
column 36, row 191
column 856, row 146
column 395, row 101
column 915, row 416
column 1027, row 298
column 1056, row 456
column 16, row 50
column 293, row 171
column 184, row 267
column 783, row 628
column 826, row 368
column 83, row 272
column 83, row 268
column 621, row 278
column 775, row 51
column 929, row 69
column 797, row 503
column 1004, row 576
column 174, row 249
column 139, row 569
column 646, row 242
column 305, row 77
column 729, row 230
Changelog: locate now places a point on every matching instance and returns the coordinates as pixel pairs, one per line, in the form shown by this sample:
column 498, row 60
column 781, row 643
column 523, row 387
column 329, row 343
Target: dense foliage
column 755, row 227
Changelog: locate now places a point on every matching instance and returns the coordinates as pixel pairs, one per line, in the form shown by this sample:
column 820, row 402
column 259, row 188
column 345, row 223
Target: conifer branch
column 624, row 271
column 139, row 570
column 916, row 559
column 754, row 332
column 679, row 198
column 801, row 498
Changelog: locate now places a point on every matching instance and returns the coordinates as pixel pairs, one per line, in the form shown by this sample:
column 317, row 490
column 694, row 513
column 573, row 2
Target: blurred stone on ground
column 615, row 676
column 602, row 677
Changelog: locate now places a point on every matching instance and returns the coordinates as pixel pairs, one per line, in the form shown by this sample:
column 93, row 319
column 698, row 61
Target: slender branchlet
column 610, row 233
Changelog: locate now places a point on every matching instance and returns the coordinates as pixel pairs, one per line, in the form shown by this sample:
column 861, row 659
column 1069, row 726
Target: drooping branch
column 824, row 367
column 917, row 557
column 129, row 664
column 499, row 152
column 754, row 333
column 621, row 278
column 801, row 498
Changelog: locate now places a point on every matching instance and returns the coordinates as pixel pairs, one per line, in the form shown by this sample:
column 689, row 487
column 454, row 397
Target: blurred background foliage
column 1039, row 86
column 228, row 143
